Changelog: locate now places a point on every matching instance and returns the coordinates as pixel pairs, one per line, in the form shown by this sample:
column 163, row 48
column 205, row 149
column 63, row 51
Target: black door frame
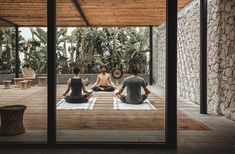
column 171, row 90
column 150, row 55
column 17, row 58
column 203, row 56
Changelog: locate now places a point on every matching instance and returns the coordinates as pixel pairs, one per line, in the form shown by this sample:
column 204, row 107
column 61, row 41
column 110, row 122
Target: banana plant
column 7, row 49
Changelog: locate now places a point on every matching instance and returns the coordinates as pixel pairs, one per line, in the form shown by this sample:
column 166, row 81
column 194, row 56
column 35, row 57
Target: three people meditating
column 77, row 85
column 104, row 81
column 133, row 84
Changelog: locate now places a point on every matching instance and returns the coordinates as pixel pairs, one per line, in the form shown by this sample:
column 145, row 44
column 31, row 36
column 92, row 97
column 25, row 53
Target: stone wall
column 159, row 55
column 221, row 55
column 188, row 52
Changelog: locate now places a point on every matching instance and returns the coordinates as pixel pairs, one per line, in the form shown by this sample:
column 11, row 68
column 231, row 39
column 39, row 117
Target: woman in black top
column 77, row 85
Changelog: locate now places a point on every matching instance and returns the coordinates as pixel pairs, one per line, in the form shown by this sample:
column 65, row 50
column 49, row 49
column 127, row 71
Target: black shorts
column 104, row 88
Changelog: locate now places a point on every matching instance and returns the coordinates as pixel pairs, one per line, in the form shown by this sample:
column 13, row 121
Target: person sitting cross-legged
column 104, row 81
column 76, row 85
column 133, row 84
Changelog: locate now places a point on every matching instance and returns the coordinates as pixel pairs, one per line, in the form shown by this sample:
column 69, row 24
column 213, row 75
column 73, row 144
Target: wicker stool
column 17, row 82
column 12, row 120
column 29, row 83
column 24, row 84
column 7, row 84
column 32, row 81
column 42, row 81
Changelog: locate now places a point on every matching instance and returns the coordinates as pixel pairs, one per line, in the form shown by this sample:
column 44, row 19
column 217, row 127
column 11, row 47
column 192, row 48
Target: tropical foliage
column 7, row 49
column 87, row 48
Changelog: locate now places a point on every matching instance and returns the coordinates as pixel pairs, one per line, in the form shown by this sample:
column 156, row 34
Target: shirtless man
column 104, row 81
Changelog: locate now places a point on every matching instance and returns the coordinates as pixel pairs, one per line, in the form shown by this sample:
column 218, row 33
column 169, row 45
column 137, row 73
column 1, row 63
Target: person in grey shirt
column 133, row 84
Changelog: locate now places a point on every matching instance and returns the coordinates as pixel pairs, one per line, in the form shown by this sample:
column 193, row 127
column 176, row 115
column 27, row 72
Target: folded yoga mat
column 119, row 105
column 63, row 105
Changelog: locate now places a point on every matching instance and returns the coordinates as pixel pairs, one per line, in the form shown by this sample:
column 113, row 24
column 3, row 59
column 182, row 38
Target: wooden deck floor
column 102, row 117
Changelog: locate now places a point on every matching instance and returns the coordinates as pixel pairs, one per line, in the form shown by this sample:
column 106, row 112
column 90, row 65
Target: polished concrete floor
column 221, row 140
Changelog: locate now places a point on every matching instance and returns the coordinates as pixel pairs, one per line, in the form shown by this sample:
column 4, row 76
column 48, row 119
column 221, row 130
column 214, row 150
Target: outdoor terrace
column 102, row 123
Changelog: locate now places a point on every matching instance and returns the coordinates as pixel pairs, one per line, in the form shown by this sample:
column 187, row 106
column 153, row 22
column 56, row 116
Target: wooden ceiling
column 26, row 13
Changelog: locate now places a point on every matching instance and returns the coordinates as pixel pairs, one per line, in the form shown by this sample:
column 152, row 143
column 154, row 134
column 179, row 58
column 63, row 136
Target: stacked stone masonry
column 221, row 55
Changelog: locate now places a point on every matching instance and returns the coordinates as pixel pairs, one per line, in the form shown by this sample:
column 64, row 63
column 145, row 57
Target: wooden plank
column 98, row 12
column 102, row 117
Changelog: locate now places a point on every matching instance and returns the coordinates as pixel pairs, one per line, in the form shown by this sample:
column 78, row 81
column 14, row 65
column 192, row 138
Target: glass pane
column 23, row 96
column 104, row 117
column 28, row 89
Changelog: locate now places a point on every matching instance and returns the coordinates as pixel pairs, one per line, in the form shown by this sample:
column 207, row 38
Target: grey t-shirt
column 133, row 85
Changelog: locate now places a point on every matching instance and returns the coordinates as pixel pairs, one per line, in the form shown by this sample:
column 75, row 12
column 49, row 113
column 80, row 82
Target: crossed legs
column 104, row 88
column 124, row 100
column 73, row 99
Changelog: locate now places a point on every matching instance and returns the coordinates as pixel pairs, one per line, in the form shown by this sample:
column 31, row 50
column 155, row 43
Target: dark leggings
column 74, row 99
column 105, row 88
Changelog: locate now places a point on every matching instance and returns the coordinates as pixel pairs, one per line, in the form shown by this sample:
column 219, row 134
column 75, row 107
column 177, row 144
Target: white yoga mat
column 63, row 105
column 119, row 105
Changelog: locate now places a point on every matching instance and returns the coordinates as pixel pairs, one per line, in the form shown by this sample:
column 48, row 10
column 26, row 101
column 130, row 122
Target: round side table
column 7, row 84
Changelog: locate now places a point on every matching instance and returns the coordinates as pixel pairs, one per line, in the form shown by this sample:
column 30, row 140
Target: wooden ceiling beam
column 7, row 21
column 88, row 12
column 77, row 5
